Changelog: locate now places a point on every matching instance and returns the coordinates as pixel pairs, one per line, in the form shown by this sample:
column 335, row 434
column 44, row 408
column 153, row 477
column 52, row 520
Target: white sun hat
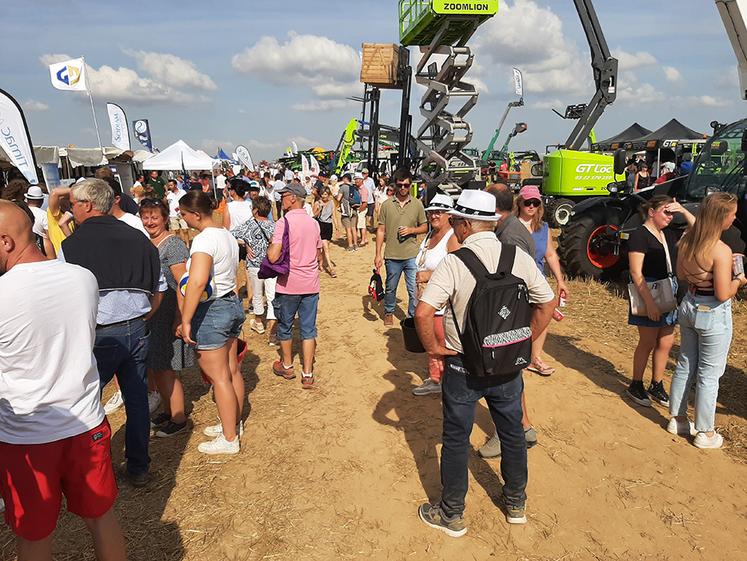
column 440, row 202
column 475, row 205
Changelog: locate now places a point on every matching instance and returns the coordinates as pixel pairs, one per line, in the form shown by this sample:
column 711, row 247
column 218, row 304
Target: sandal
column 539, row 367
column 279, row 369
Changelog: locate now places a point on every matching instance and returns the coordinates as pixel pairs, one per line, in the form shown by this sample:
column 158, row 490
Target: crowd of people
column 148, row 281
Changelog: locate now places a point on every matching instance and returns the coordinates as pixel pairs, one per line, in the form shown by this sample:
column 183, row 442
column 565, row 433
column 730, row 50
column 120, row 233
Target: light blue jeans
column 705, row 333
column 394, row 270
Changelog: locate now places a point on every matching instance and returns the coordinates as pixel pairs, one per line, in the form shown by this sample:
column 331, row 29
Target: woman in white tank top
column 439, row 242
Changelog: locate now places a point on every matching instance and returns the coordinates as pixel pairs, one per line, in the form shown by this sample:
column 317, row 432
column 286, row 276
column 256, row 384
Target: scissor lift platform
column 421, row 20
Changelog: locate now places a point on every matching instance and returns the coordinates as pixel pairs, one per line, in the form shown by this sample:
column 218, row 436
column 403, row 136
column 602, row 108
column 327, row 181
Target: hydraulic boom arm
column 605, row 75
column 732, row 15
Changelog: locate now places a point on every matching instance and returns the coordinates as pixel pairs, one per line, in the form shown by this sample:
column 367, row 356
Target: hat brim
column 442, row 208
column 481, row 217
column 32, row 198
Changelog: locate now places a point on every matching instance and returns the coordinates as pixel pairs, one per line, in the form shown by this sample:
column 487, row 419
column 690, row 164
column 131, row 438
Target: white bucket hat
column 440, row 202
column 475, row 205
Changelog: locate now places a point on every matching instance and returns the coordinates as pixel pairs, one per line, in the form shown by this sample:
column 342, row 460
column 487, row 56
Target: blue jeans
column 122, row 349
column 705, row 333
column 287, row 305
column 394, row 270
column 460, row 394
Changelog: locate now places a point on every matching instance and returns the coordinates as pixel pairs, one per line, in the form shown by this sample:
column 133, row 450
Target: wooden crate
column 379, row 65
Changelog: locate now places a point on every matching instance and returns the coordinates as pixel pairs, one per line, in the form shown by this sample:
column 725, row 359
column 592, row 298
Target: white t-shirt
column 134, row 221
column 279, row 184
column 223, row 248
column 49, row 382
column 220, row 182
column 370, row 186
column 41, row 222
column 240, row 212
column 173, row 200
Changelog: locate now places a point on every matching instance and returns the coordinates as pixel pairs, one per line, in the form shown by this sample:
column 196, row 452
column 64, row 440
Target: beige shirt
column 452, row 281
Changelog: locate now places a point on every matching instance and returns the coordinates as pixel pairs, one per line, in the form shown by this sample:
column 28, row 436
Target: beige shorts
column 346, row 222
column 177, row 223
column 362, row 219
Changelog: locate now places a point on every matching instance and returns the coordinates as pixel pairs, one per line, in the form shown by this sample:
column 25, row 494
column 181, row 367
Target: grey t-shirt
column 512, row 231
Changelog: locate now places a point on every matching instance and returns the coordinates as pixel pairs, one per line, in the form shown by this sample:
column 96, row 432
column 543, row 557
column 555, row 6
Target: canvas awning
column 673, row 130
column 616, row 141
column 179, row 156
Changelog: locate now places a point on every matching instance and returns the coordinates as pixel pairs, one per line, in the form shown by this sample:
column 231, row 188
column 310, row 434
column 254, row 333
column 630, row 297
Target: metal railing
column 410, row 13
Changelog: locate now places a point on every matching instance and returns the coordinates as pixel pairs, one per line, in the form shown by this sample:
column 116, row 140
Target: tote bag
column 662, row 291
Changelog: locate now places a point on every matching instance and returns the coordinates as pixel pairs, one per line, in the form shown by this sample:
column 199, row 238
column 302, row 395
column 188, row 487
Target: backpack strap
column 472, row 262
column 506, row 260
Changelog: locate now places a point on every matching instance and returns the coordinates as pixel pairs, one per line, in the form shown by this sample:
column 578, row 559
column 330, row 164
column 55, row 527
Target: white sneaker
column 681, row 427
column 216, row 430
column 702, row 440
column 154, row 401
column 220, row 446
column 114, row 403
column 2, row 505
column 257, row 326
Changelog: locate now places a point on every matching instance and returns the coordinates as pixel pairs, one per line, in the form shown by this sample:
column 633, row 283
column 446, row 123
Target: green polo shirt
column 392, row 216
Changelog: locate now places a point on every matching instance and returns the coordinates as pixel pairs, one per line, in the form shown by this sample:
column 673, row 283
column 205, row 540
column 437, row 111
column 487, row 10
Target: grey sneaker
column 531, row 436
column 427, row 387
column 492, row 448
column 515, row 514
column 434, row 518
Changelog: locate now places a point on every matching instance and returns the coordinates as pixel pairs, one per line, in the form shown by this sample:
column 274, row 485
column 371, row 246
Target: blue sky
column 263, row 73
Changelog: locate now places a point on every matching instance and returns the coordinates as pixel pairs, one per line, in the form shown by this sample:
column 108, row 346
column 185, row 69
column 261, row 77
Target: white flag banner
column 69, row 75
column 305, row 168
column 518, row 83
column 14, row 137
column 315, row 169
column 118, row 122
column 243, row 155
column 294, row 147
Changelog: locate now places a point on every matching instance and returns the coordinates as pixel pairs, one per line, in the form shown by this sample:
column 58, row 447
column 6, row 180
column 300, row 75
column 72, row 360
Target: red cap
column 530, row 192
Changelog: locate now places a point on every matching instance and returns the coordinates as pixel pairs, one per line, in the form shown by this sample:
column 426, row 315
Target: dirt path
column 338, row 472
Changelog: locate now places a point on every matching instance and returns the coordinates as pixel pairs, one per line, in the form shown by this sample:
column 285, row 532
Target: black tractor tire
column 559, row 212
column 537, row 169
column 576, row 257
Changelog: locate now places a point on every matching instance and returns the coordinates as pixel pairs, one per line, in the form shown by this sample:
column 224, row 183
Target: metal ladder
column 446, row 102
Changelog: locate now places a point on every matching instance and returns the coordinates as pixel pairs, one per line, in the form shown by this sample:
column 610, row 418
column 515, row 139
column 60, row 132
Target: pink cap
column 530, row 192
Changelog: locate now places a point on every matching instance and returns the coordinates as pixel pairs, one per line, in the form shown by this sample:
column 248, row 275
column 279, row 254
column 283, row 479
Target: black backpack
column 497, row 339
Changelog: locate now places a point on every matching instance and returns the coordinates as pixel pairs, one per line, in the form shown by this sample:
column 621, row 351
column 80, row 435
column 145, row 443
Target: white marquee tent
column 179, row 156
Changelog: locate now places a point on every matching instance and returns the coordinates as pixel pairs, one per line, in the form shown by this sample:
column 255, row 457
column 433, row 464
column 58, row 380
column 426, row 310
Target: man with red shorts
column 54, row 436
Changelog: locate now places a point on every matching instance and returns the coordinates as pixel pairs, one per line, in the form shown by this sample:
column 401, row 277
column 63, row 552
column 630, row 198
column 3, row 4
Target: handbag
column 281, row 267
column 662, row 291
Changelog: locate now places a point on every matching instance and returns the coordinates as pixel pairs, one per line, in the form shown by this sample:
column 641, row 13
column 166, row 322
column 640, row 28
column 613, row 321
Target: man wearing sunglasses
column 401, row 220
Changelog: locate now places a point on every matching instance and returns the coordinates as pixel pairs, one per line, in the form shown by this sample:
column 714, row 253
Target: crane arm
column 604, row 66
column 732, row 15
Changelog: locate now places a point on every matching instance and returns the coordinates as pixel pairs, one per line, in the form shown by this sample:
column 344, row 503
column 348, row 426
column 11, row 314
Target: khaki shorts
column 177, row 223
column 362, row 219
column 346, row 222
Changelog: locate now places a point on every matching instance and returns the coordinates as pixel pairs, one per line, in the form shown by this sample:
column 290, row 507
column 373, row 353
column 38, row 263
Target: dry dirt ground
column 338, row 472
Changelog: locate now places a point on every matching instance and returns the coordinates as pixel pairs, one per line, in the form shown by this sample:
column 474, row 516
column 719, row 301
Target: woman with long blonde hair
column 707, row 264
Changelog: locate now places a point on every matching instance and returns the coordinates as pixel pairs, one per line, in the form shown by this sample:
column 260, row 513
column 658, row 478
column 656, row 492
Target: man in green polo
column 401, row 219
column 156, row 185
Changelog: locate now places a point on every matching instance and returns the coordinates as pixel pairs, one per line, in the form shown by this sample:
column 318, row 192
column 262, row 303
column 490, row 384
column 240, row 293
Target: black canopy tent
column 673, row 130
column 616, row 141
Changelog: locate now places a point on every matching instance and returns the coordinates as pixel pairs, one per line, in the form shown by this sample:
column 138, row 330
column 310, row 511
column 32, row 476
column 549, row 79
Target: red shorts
column 33, row 478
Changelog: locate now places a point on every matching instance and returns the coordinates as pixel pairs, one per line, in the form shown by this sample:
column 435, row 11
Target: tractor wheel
column 560, row 212
column 586, row 245
column 536, row 170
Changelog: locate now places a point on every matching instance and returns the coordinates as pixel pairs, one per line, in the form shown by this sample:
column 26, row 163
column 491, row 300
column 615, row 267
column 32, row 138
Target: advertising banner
column 118, row 122
column 69, row 75
column 142, row 133
column 15, row 139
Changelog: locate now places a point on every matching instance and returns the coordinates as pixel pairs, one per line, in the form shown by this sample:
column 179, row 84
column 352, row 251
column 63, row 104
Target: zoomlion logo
column 69, row 75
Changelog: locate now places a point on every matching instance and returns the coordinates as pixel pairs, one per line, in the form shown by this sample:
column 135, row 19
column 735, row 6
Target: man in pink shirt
column 298, row 291
column 363, row 209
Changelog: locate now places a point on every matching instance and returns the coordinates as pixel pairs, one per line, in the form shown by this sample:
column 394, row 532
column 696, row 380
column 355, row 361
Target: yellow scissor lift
column 441, row 27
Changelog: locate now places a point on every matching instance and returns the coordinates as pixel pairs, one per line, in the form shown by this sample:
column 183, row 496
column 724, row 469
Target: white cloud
column 338, row 90
column 707, row 101
column 531, row 38
column 211, row 146
column 324, row 105
column 33, row 105
column 306, row 59
column 672, row 74
column 125, row 84
column 171, row 69
column 631, row 61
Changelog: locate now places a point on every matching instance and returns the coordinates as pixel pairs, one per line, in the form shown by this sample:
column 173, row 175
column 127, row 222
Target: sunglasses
column 150, row 202
column 532, row 202
column 403, row 185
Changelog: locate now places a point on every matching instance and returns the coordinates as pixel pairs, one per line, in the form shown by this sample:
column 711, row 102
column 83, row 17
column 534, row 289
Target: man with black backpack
column 347, row 196
column 496, row 301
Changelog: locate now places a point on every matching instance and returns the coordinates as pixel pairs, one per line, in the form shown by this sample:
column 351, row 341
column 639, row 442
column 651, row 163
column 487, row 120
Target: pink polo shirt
column 303, row 277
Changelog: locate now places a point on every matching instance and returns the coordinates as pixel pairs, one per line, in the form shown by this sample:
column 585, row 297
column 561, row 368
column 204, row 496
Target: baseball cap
column 358, row 175
column 34, row 193
column 530, row 192
column 296, row 188
column 364, row 170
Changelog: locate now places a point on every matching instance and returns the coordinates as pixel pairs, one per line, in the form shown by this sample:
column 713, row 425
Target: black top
column 654, row 263
column 118, row 255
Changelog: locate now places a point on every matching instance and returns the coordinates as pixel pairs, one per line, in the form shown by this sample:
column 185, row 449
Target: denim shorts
column 217, row 321
column 287, row 305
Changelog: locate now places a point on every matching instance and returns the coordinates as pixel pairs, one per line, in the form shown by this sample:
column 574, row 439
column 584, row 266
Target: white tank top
column 429, row 259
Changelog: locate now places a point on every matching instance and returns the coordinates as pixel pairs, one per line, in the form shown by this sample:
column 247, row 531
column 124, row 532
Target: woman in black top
column 647, row 260
column 642, row 179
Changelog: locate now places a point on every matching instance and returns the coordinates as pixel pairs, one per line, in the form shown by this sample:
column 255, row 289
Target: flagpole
column 93, row 111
